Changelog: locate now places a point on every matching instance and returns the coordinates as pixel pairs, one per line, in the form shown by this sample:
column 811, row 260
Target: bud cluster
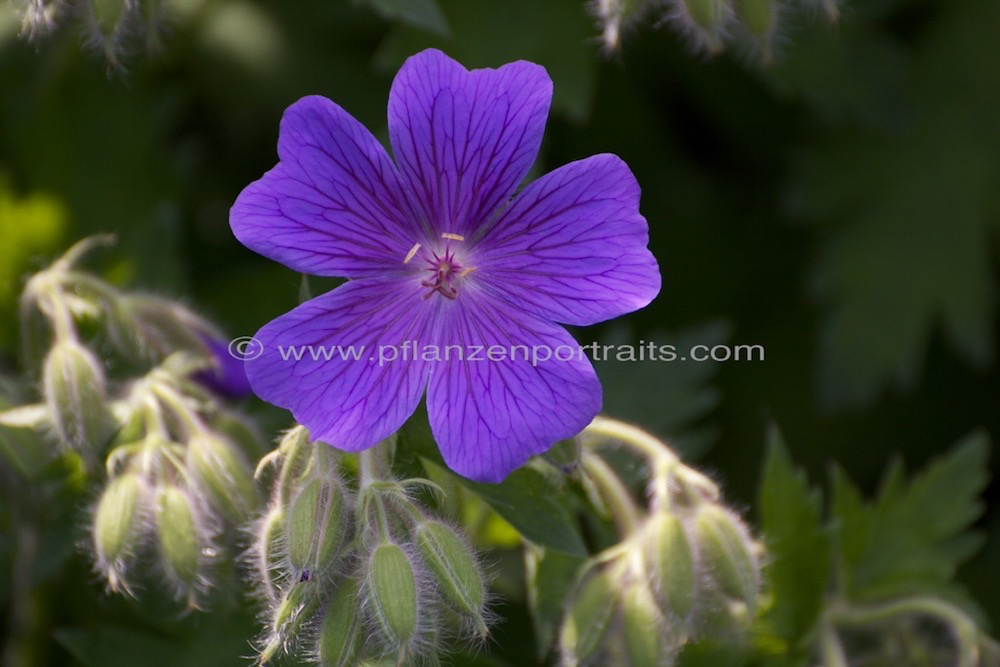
column 356, row 571
column 172, row 453
column 709, row 25
column 685, row 563
column 113, row 28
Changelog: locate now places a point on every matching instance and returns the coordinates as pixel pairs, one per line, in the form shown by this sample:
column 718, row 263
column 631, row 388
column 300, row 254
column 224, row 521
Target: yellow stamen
column 453, row 237
column 413, row 252
column 466, row 272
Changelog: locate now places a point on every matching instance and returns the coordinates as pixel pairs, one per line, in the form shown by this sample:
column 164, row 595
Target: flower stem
column 624, row 510
column 831, row 648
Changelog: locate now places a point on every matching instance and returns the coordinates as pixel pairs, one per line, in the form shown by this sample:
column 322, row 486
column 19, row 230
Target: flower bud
column 178, row 532
column 74, row 391
column 615, row 16
column 727, row 552
column 148, row 328
column 392, row 590
column 223, row 474
column 340, row 635
column 588, row 618
column 316, row 527
column 117, row 525
column 454, row 569
column 296, row 607
column 270, row 550
column 759, row 16
column 670, row 562
column 707, row 19
column 647, row 637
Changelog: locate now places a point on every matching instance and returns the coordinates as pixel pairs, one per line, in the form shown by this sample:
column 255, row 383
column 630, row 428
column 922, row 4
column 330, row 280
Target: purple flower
column 439, row 254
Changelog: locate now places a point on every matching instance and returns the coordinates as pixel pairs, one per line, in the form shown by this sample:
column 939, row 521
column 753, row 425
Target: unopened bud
column 708, row 19
column 454, row 569
column 148, row 328
column 588, row 618
column 223, row 474
column 296, row 607
column 392, row 589
column 615, row 16
column 117, row 523
column 271, row 548
column 74, row 391
column 316, row 527
column 340, row 635
column 178, row 532
column 669, row 559
column 648, row 639
column 727, row 552
column 759, row 16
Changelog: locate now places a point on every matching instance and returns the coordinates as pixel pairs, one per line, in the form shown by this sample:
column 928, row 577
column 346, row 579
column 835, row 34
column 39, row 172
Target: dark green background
column 838, row 207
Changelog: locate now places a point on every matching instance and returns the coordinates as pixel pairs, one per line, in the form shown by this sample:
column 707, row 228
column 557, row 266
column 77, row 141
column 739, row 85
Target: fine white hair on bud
column 223, row 475
column 454, row 570
column 118, row 524
column 615, row 17
column 399, row 611
column 728, row 553
column 706, row 23
column 74, row 388
column 184, row 540
column 316, row 527
column 670, row 561
column 588, row 618
column 340, row 639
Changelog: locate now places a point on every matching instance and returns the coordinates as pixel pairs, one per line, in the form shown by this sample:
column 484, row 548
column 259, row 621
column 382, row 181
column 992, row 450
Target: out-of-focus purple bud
column 226, row 377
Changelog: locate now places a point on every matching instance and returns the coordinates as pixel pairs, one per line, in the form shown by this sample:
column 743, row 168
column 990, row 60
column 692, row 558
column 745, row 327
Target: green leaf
column 798, row 546
column 910, row 213
column 914, row 536
column 551, row 576
column 424, row 14
column 529, row 501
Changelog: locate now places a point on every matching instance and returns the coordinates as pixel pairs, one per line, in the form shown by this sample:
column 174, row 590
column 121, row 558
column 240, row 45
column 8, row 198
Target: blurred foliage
column 838, row 207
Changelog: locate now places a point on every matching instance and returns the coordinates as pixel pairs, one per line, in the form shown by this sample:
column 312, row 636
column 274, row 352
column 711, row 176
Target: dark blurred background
column 838, row 206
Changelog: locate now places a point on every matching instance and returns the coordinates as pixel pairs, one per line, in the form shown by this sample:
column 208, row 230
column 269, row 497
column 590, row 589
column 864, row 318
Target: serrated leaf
column 911, row 215
column 914, row 536
column 798, row 545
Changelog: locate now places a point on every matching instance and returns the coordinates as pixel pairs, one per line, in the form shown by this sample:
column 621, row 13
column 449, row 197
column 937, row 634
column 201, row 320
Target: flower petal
column 345, row 396
column 572, row 245
column 489, row 415
column 464, row 139
column 334, row 205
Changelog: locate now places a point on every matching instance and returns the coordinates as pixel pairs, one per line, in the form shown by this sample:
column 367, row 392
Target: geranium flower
column 439, row 254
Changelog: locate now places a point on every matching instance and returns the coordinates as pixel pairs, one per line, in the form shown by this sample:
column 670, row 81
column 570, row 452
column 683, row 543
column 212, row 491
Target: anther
column 413, row 252
column 453, row 237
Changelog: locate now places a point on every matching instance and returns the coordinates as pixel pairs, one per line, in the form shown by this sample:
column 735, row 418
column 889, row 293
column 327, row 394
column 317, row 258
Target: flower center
column 445, row 270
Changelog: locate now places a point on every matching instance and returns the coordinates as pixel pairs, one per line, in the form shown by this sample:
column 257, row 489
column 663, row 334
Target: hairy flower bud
column 295, row 608
column 340, row 636
column 223, row 474
column 454, row 569
column 74, row 392
column 147, row 328
column 648, row 641
column 117, row 525
column 759, row 16
column 615, row 16
column 392, row 590
column 587, row 620
column 179, row 536
column 270, row 549
column 707, row 19
column 670, row 561
column 727, row 552
column 316, row 527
